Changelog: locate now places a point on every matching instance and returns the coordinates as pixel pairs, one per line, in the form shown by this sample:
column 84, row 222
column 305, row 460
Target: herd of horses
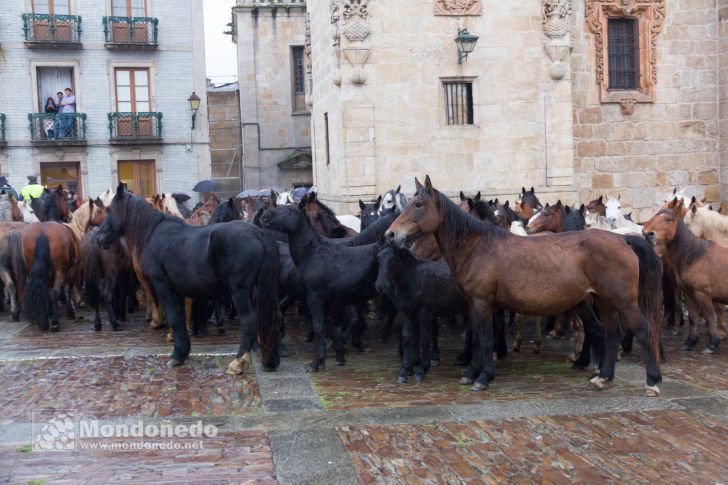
column 588, row 267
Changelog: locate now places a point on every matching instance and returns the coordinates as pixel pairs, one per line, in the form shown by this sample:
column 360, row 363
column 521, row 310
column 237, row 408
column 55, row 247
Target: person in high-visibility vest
column 31, row 190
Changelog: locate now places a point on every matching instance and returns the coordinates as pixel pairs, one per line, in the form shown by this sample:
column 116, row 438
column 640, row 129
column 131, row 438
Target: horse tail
column 650, row 286
column 91, row 276
column 17, row 262
column 265, row 298
column 35, row 300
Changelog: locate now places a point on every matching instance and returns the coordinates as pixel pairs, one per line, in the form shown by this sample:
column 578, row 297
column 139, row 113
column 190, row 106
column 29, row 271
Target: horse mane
column 574, row 220
column 141, row 219
column 460, row 223
column 484, row 210
column 688, row 247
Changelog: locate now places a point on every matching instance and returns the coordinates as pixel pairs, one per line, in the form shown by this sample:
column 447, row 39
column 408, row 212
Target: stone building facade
column 226, row 147
column 388, row 97
column 275, row 118
column 132, row 66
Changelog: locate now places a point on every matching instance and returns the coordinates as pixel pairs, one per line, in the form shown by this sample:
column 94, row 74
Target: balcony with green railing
column 131, row 32
column 2, row 130
column 43, row 30
column 135, row 128
column 61, row 129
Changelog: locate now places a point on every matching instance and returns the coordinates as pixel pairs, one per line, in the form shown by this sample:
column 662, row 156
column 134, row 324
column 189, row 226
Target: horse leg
column 627, row 342
column 426, row 324
column 638, row 323
column 720, row 320
column 612, row 337
column 694, row 318
column 519, row 334
column 241, row 300
column 483, row 320
column 317, row 307
column 121, row 294
column 593, row 337
column 358, row 327
column 56, row 292
column 466, row 355
column 68, row 290
column 11, row 293
column 406, row 343
column 435, row 360
column 174, row 308
column 707, row 308
column 537, row 337
column 109, row 301
column 499, row 331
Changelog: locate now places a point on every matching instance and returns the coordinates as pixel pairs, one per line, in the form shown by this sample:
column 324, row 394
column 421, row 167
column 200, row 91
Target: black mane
column 141, row 219
column 461, row 224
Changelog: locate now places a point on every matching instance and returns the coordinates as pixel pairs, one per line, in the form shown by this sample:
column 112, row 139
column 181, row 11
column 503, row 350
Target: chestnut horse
column 622, row 273
column 699, row 267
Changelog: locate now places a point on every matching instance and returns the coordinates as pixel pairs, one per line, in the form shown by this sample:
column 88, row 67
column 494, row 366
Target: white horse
column 27, row 211
column 352, row 222
column 706, row 223
column 393, row 201
column 284, row 198
column 616, row 220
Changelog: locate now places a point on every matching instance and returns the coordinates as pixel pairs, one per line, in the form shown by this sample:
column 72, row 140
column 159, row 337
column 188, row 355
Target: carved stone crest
column 335, row 17
column 626, row 106
column 307, row 45
column 356, row 19
column 458, row 7
column 556, row 17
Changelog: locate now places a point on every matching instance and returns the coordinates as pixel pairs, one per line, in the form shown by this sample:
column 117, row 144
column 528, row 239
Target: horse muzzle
column 396, row 239
column 649, row 236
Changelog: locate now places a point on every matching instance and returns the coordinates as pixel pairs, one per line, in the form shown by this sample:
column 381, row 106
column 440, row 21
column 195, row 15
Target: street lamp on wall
column 466, row 44
column 194, row 101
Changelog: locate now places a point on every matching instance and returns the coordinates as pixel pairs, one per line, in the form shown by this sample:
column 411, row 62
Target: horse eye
column 418, row 205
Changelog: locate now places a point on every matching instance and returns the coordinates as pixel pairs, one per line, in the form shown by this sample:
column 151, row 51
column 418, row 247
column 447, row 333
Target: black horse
column 328, row 273
column 51, row 206
column 206, row 263
column 369, row 212
column 421, row 291
column 226, row 212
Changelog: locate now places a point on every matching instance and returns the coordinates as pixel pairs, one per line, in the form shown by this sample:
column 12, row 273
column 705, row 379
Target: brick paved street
column 539, row 422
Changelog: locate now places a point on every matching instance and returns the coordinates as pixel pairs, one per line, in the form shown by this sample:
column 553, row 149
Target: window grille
column 458, row 103
column 623, row 46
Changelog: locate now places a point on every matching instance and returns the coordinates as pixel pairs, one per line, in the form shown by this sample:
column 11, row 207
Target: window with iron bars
column 623, row 48
column 458, row 102
column 299, row 90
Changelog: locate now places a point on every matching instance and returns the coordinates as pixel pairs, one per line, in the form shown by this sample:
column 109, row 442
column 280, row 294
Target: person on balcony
column 49, row 122
column 67, row 108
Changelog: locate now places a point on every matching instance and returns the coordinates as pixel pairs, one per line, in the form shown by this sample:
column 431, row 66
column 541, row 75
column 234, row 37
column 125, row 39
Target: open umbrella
column 180, row 197
column 248, row 193
column 206, row 186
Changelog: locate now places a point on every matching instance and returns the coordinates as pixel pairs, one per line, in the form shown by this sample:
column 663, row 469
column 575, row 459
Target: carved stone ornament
column 458, row 7
column 650, row 12
column 356, row 20
column 335, row 17
column 307, row 45
column 556, row 17
column 626, row 106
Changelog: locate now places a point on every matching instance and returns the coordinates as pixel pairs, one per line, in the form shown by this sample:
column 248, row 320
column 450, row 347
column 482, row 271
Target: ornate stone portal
column 458, row 7
column 651, row 15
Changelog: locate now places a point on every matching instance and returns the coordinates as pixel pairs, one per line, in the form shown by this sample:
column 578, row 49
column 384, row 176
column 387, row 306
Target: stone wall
column 271, row 131
column 723, row 96
column 223, row 108
column 391, row 127
column 671, row 142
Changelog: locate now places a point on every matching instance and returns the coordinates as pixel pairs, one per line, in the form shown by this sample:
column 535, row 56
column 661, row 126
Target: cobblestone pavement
column 539, row 422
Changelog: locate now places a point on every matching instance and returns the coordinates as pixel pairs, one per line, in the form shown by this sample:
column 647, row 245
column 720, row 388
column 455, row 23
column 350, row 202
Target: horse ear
column 477, row 196
column 523, row 190
column 361, row 204
column 567, row 209
column 694, row 208
column 693, row 200
column 619, row 197
column 462, row 196
column 428, row 184
column 120, row 190
column 378, row 202
column 99, row 203
column 312, row 196
column 399, row 187
column 582, row 209
column 302, row 203
column 601, row 197
column 231, row 202
column 507, row 205
column 418, row 185
column 674, row 191
column 547, row 205
column 532, row 191
column 558, row 203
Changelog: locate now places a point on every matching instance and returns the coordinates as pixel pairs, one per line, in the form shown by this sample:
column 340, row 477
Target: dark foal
column 323, row 219
column 421, row 291
column 369, row 212
column 328, row 273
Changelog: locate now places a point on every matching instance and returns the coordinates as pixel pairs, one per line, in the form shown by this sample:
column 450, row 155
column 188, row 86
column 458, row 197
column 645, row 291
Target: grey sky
column 219, row 49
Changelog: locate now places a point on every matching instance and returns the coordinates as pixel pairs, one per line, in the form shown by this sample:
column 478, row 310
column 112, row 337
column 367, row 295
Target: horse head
column 421, row 216
column 662, row 227
column 550, row 219
column 112, row 227
column 369, row 212
column 285, row 218
column 613, row 211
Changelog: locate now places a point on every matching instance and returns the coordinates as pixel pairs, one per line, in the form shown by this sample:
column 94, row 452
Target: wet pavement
column 539, row 422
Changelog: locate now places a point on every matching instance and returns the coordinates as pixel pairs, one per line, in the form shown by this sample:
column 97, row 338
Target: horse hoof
column 465, row 381
column 314, row 367
column 55, row 327
column 707, row 351
column 537, row 350
column 341, row 363
column 220, row 331
column 402, row 380
column 419, row 377
column 116, row 327
column 599, row 383
column 239, row 365
column 652, row 391
column 97, row 327
column 477, row 386
column 15, row 317
column 434, row 363
column 283, row 351
column 171, row 363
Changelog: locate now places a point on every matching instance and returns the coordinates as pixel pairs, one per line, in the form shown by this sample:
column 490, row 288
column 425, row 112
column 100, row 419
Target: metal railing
column 135, row 126
column 57, row 127
column 142, row 31
column 52, row 29
column 2, row 128
column 269, row 3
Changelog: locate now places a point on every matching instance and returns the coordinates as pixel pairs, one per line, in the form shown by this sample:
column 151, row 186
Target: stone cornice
column 248, row 4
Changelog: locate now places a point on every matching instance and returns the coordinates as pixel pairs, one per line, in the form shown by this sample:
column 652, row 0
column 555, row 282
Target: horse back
column 63, row 245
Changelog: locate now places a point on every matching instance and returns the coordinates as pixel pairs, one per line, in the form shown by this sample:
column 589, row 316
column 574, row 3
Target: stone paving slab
column 125, row 386
column 231, row 457
column 643, row 447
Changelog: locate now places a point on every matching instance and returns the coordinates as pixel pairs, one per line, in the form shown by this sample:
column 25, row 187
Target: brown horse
column 594, row 210
column 699, row 267
column 551, row 219
column 622, row 273
column 324, row 220
column 527, row 204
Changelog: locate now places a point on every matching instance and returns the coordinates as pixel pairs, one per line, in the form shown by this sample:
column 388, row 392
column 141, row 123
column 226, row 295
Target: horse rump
column 35, row 299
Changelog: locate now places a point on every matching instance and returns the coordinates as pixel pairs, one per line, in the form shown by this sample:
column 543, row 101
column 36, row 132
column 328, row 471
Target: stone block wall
column 671, row 142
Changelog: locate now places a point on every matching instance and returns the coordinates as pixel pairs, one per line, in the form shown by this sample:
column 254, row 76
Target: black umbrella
column 248, row 193
column 206, row 186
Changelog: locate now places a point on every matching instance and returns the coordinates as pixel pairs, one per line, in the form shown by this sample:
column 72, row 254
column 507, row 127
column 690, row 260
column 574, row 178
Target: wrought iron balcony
column 2, row 129
column 135, row 128
column 62, row 129
column 131, row 32
column 42, row 30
